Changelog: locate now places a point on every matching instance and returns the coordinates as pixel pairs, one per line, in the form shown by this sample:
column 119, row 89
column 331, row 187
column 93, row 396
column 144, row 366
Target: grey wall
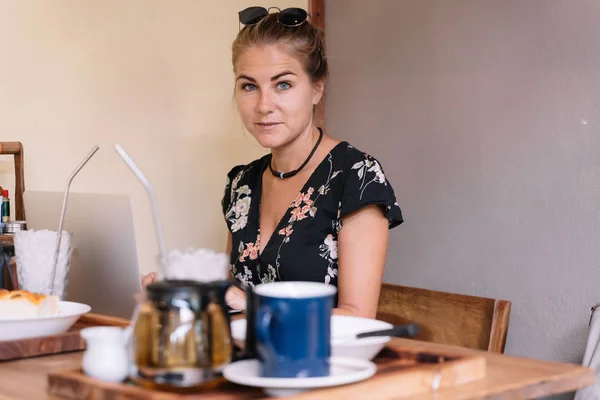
column 485, row 116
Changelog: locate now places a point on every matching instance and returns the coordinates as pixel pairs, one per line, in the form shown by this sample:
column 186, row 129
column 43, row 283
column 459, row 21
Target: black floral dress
column 303, row 247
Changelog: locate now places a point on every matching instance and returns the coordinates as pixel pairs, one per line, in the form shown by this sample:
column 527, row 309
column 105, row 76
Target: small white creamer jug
column 105, row 357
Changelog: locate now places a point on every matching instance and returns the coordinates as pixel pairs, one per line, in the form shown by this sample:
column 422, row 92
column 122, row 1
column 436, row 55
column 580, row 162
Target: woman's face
column 274, row 95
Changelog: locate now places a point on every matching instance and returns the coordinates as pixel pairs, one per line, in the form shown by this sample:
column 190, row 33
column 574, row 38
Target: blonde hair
column 304, row 42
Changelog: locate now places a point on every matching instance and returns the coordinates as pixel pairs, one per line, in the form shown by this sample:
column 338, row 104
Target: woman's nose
column 265, row 103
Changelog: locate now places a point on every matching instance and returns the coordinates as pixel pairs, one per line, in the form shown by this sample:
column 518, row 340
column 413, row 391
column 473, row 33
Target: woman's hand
column 148, row 279
column 235, row 298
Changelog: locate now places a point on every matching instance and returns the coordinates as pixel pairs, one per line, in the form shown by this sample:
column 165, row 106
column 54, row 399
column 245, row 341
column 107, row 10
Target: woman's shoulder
column 365, row 184
column 241, row 181
column 353, row 158
column 239, row 172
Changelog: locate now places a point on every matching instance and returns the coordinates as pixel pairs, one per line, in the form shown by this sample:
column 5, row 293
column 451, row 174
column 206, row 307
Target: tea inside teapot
column 181, row 335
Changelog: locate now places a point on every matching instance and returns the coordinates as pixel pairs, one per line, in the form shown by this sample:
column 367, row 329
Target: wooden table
column 507, row 377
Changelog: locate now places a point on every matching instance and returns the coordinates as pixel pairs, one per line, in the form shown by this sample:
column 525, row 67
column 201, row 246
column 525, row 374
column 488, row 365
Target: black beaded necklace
column 285, row 175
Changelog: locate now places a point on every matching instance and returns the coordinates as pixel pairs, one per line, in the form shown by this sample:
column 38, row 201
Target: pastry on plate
column 24, row 304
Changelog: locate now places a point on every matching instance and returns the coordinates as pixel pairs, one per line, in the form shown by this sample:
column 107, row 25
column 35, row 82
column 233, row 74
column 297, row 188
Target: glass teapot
column 180, row 335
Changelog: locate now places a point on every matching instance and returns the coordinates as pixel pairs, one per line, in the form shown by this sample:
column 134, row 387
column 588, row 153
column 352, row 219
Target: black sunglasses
column 290, row 17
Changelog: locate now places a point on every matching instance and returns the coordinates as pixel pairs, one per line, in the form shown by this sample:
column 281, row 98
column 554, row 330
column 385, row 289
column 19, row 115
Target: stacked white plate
column 15, row 328
column 343, row 328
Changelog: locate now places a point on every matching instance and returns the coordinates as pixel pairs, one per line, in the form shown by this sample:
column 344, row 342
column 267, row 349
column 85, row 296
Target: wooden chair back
column 447, row 318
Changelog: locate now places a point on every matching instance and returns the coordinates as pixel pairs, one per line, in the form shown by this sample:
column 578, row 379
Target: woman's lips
column 267, row 125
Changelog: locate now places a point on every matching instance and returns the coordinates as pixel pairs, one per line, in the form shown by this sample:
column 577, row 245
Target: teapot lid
column 174, row 286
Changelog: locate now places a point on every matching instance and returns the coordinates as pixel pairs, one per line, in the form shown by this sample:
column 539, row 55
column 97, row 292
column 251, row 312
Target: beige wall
column 152, row 75
column 485, row 115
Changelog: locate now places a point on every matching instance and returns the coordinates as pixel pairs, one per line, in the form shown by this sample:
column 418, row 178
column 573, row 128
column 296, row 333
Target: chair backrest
column 447, row 318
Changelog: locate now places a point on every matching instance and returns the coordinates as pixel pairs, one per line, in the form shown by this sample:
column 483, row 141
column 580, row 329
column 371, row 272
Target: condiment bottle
column 5, row 207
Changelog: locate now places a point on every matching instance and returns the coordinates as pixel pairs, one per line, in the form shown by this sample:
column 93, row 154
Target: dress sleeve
column 231, row 181
column 365, row 184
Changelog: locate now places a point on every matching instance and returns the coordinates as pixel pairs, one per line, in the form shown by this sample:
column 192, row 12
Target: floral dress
column 303, row 247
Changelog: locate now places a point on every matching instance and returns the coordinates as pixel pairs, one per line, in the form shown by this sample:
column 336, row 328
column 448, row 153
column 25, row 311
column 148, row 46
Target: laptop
column 104, row 271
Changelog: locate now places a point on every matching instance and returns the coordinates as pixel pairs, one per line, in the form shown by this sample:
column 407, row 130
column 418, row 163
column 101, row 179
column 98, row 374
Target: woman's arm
column 362, row 246
column 228, row 249
column 235, row 297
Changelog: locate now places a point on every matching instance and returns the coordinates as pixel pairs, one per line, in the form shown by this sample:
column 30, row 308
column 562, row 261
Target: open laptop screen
column 104, row 270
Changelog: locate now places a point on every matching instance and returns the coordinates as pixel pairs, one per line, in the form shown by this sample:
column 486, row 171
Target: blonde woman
column 315, row 208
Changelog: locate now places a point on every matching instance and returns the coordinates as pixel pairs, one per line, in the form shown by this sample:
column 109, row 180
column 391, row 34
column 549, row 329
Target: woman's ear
column 318, row 89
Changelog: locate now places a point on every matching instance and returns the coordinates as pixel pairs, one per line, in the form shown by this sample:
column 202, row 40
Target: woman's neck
column 292, row 155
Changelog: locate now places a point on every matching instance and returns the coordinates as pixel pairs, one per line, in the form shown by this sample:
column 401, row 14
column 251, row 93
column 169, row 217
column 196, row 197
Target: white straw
column 64, row 210
column 148, row 187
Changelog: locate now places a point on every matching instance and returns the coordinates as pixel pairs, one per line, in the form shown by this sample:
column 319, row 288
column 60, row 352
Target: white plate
column 343, row 371
column 341, row 327
column 25, row 328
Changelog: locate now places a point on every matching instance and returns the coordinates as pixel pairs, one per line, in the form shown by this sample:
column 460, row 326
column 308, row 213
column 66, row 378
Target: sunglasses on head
column 290, row 17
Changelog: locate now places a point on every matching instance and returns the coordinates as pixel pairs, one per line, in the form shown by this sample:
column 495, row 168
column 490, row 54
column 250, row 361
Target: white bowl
column 342, row 327
column 25, row 328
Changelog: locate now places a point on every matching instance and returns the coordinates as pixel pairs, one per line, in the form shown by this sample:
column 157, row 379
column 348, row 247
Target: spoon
column 405, row 331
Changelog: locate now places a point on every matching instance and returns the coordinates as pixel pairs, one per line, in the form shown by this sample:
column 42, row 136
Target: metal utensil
column 157, row 225
column 405, row 331
column 64, row 209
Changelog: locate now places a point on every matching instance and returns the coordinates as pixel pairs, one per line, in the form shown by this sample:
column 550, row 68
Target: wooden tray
column 65, row 342
column 399, row 368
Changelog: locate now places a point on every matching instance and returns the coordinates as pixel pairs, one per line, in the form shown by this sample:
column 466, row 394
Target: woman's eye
column 248, row 87
column 283, row 85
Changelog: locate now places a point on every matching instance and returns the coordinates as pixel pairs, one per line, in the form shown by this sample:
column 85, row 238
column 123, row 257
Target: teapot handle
column 250, row 341
column 239, row 285
column 249, row 350
column 128, row 330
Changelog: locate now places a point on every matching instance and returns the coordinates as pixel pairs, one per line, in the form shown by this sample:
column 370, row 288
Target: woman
column 314, row 209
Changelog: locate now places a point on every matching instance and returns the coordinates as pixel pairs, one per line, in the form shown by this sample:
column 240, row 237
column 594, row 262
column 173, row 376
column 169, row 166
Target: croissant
column 21, row 303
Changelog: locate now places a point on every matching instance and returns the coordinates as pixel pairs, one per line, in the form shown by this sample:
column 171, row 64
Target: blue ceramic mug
column 293, row 325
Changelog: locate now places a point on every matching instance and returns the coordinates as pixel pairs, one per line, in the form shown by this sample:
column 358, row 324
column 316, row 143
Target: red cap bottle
column 5, row 208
